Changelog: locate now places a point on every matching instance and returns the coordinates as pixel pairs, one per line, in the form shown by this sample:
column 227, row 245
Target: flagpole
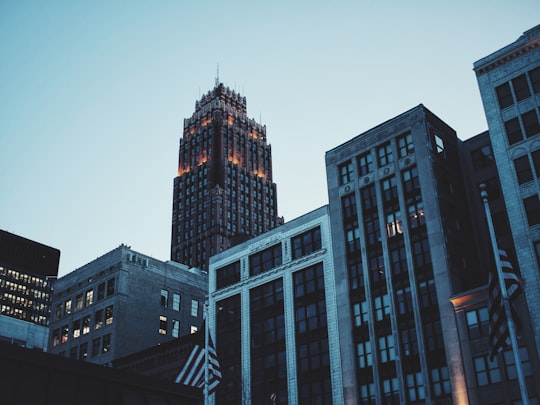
column 206, row 332
column 506, row 303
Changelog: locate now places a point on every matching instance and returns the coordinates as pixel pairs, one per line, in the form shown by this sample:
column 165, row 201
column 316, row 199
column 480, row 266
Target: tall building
column 27, row 272
column 509, row 83
column 272, row 311
column 402, row 245
column 224, row 192
column 124, row 302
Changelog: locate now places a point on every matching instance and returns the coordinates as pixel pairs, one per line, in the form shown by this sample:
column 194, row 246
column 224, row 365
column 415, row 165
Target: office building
column 124, row 302
column 509, row 83
column 224, row 192
column 27, row 271
column 402, row 245
column 272, row 311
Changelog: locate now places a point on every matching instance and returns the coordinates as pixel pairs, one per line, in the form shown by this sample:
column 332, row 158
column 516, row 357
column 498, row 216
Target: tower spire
column 217, row 75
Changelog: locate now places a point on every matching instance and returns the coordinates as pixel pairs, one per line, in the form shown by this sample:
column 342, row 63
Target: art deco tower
column 223, row 193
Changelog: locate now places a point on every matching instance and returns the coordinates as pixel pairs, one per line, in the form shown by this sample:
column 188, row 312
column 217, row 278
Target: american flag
column 192, row 372
column 499, row 337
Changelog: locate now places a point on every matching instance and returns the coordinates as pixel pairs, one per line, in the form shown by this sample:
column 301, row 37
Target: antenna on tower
column 217, row 75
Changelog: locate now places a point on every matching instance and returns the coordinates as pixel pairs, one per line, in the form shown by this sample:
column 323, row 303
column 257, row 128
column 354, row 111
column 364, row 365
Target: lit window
column 77, row 328
column 194, row 329
column 89, row 296
column 86, row 325
column 65, row 333
column 83, row 353
column 67, row 307
column 98, row 319
column 109, row 315
column 163, row 325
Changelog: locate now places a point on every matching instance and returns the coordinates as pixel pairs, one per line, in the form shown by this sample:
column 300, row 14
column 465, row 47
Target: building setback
column 509, row 83
column 27, row 271
column 224, row 192
column 124, row 302
column 272, row 306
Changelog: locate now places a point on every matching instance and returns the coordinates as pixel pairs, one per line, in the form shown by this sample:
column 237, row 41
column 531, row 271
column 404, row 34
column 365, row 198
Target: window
column 482, row 157
column 175, row 331
column 521, row 87
column 535, row 79
column 367, row 393
column 74, row 352
column 79, row 302
column 536, row 161
column 89, row 297
column 77, row 328
column 428, row 294
column 162, row 325
column 83, row 352
column 164, row 298
column 487, row 372
column 409, row 341
column 415, row 208
column 433, row 335
column 306, row 243
column 404, row 301
column 176, row 302
column 101, row 291
column 98, row 319
column 477, row 322
column 360, row 313
column 382, row 307
column 228, row 275
column 530, row 123
column 265, row 260
column 532, row 208
column 405, row 145
column 510, row 363
column 194, row 308
column 384, row 154
column 523, row 169
column 56, row 337
column 106, row 343
column 504, row 95
column 391, row 390
column 109, row 315
column 365, row 164
column 110, row 287
column 193, row 329
column 345, row 172
column 65, row 333
column 86, row 325
column 537, row 251
column 387, row 351
column 440, row 381
column 513, row 131
column 439, row 144
column 363, row 352
column 96, row 347
column 415, row 387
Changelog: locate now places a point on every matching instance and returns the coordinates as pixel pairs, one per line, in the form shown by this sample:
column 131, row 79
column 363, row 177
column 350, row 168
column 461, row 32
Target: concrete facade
column 124, row 302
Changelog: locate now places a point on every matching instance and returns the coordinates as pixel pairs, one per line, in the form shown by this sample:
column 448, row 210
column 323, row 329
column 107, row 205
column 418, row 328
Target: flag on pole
column 499, row 337
column 192, row 372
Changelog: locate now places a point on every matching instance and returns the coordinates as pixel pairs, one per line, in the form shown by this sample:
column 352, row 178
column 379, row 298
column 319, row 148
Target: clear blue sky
column 93, row 95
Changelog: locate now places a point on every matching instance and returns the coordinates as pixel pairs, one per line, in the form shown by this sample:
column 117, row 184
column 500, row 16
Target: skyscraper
column 509, row 83
column 224, row 192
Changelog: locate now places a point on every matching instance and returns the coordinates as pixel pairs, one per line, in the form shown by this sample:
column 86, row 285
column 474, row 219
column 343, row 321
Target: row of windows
column 83, row 326
column 519, row 88
column 174, row 327
column 489, row 372
column 384, row 156
column 271, row 257
column 527, row 123
column 85, row 300
column 24, row 278
column 100, row 345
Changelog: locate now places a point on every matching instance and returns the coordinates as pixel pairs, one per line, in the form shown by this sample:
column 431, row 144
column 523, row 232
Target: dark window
column 513, row 131
column 530, row 123
column 411, row 183
column 428, row 293
column 510, row 363
column 535, row 79
column 265, row 260
column 164, row 297
column 110, row 286
column 345, row 172
column 440, row 381
column 228, row 275
column 536, row 161
column 523, row 169
column 405, row 145
column 106, row 343
column 504, row 95
column 384, row 154
column 482, row 157
column 532, row 208
column 369, row 198
column 478, row 322
column 348, row 206
column 306, row 243
column 365, row 164
column 521, row 87
column 409, row 341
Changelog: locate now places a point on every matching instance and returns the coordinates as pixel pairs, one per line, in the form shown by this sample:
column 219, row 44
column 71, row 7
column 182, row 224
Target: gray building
column 402, row 245
column 273, row 316
column 509, row 83
column 124, row 302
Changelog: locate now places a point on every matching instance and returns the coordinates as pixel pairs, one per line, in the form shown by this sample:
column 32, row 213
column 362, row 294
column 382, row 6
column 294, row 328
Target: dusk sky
column 93, row 95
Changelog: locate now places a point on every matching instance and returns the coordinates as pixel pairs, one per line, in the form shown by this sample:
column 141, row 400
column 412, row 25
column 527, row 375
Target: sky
column 93, row 95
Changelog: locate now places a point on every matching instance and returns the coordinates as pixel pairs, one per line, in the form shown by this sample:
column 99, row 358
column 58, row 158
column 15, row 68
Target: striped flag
column 499, row 337
column 192, row 372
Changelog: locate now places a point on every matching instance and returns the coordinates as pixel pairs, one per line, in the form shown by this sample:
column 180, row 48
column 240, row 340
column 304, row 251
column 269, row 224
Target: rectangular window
column 345, row 172
column 521, row 87
column 101, row 291
column 384, row 154
column 162, row 325
column 477, row 322
column 535, row 79
column 365, row 164
column 89, row 298
column 536, row 161
column 405, row 145
column 439, row 144
column 83, row 352
column 532, row 208
column 513, row 131
column 79, row 302
column 176, row 302
column 194, row 308
column 306, row 243
column 415, row 387
column 440, row 381
column 360, row 313
column 523, row 169
column 487, row 372
column 265, row 260
column 86, row 325
column 504, row 95
column 228, row 275
column 65, row 333
column 96, row 347
column 482, row 157
column 58, row 312
column 164, row 298
column 77, row 328
column 106, row 343
column 363, row 353
column 387, row 350
column 175, row 331
column 382, row 307
column 56, row 337
column 109, row 315
column 530, row 123
column 98, row 319
column 391, row 390
column 74, row 352
column 110, row 287
column 193, row 329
